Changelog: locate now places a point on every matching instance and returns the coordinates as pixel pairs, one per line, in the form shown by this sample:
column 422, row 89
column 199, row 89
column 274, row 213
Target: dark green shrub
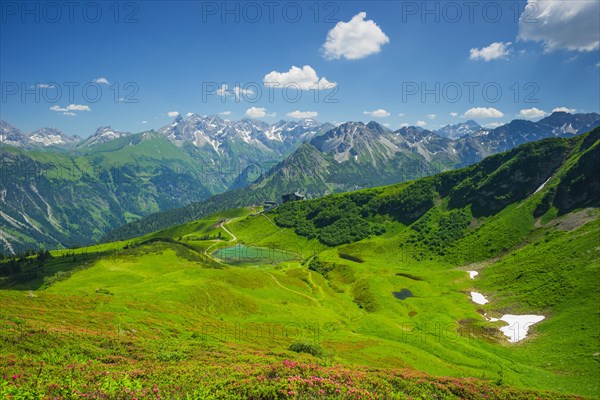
column 306, row 347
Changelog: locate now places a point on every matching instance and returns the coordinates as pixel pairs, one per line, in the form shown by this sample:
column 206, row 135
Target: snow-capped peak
column 104, row 134
column 211, row 130
column 459, row 130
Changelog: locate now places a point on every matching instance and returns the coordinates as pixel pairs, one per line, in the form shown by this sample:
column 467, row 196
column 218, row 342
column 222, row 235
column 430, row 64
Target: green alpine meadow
column 300, row 200
column 306, row 300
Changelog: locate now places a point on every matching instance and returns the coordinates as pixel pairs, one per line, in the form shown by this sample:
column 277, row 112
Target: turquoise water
column 242, row 254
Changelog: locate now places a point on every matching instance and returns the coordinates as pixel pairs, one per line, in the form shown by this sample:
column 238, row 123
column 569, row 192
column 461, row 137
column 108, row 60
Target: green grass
column 158, row 312
column 156, row 288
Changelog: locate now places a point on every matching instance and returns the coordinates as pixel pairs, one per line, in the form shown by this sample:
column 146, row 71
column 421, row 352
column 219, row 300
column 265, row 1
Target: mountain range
column 459, row 130
column 59, row 190
column 356, row 155
column 43, row 137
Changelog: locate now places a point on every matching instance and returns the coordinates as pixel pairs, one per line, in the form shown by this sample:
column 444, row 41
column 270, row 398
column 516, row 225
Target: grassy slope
column 168, row 304
column 106, row 186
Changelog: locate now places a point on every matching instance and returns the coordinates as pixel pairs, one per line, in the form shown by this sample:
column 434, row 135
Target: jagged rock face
column 10, row 135
column 354, row 140
column 459, row 130
column 219, row 134
column 102, row 135
column 193, row 158
column 565, row 124
column 43, row 137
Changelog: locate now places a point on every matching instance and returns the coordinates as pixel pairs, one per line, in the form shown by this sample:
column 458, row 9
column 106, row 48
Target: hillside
column 355, row 155
column 348, row 295
column 49, row 174
column 51, row 177
column 485, row 189
column 60, row 199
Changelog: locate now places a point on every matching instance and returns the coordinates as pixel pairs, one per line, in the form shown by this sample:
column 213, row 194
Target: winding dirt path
column 234, row 238
column 313, row 284
column 290, row 290
column 271, row 221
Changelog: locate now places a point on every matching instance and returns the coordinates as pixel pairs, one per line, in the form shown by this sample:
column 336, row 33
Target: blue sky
column 151, row 59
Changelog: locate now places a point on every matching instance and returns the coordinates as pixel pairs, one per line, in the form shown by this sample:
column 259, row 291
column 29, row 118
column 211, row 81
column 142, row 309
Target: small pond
column 242, row 254
column 403, row 294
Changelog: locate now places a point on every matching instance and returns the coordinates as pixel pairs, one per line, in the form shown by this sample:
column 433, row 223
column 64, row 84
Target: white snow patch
column 275, row 133
column 569, row 129
column 478, row 298
column 47, row 140
column 542, row 186
column 518, row 325
column 473, row 274
column 490, row 318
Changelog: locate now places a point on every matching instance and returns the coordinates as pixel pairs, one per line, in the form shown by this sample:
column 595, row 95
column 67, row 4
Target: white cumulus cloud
column 173, row 114
column 354, row 39
column 78, row 107
column 236, row 91
column 560, row 24
column 483, row 112
column 431, row 116
column 494, row 51
column 222, row 91
column 379, row 113
column 565, row 109
column 454, row 114
column 258, row 112
column 71, row 107
column 530, row 113
column 302, row 114
column 421, row 123
column 225, row 113
column 304, row 78
column 102, row 81
column 239, row 92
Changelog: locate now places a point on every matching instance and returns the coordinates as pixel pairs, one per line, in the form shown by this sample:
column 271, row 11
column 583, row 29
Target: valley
column 203, row 164
column 300, row 200
column 293, row 303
